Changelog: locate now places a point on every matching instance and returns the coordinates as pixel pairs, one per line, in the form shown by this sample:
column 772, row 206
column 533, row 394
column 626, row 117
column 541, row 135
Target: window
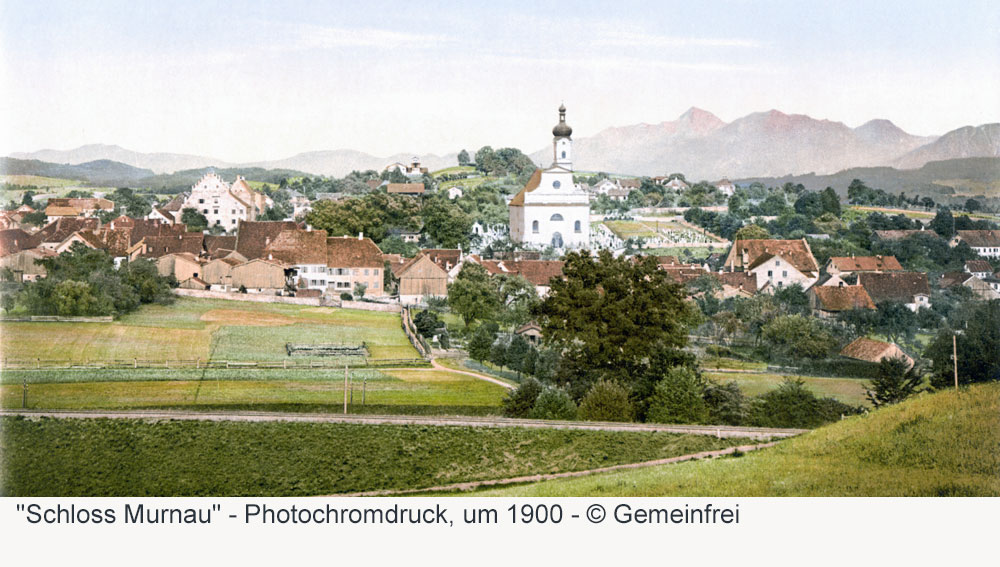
column 769, row 274
column 534, row 226
column 564, row 155
column 355, row 271
column 556, row 217
column 777, row 262
column 232, row 221
column 576, row 226
column 376, row 271
column 215, row 212
column 200, row 201
column 375, row 285
column 784, row 273
column 556, row 184
column 366, row 271
column 204, row 211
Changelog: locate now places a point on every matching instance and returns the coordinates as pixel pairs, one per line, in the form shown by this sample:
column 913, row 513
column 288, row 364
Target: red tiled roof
column 980, row 238
column 538, row 272
column 298, row 247
column 531, row 185
column 978, row 266
column 351, row 252
column 253, row 236
column 156, row 246
column 795, row 252
column 842, row 298
column 446, row 258
column 406, row 188
column 865, row 349
column 894, row 286
column 866, row 263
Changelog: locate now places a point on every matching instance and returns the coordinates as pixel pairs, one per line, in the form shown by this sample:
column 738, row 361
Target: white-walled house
column 775, row 263
column 551, row 210
column 224, row 204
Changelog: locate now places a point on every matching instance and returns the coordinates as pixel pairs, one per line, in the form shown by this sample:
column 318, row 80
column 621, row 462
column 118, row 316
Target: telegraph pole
column 954, row 356
column 345, row 389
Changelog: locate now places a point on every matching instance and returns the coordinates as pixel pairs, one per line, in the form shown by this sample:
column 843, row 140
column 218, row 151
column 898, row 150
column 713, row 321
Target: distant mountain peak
column 699, row 121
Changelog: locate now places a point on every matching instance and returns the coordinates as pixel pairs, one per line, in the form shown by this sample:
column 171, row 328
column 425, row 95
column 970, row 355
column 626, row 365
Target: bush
column 792, row 405
column 519, row 402
column 894, row 383
column 346, row 296
column 726, row 403
column 606, row 401
column 553, row 403
column 444, row 341
column 677, row 398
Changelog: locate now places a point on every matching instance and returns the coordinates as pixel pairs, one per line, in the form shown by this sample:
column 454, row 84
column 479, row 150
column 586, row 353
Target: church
column 551, row 210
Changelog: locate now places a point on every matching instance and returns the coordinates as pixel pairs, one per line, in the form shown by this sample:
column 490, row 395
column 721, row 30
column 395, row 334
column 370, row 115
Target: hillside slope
column 942, row 444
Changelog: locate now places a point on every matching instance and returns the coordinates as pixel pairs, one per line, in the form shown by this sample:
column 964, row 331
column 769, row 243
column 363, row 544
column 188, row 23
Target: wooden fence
column 58, row 319
column 416, row 340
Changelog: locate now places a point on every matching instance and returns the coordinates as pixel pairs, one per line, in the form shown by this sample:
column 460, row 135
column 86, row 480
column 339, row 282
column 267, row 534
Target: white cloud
column 638, row 39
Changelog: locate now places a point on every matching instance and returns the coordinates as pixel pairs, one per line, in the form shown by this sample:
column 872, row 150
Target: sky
column 257, row 80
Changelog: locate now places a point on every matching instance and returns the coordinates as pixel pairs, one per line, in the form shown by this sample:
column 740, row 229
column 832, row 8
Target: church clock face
column 556, row 184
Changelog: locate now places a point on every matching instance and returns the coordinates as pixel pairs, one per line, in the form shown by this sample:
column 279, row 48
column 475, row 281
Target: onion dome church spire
column 562, row 145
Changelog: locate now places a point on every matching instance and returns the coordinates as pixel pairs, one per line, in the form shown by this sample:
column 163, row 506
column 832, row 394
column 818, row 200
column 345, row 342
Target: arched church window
column 556, row 184
column 576, row 226
column 564, row 155
column 556, row 217
column 534, row 226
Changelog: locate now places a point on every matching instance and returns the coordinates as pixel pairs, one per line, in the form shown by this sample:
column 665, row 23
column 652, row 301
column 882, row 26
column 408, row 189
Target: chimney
column 361, row 236
column 746, row 257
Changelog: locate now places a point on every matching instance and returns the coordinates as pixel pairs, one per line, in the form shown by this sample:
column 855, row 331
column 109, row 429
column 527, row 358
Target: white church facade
column 551, row 210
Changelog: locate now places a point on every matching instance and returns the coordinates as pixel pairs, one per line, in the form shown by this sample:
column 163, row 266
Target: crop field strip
column 136, row 457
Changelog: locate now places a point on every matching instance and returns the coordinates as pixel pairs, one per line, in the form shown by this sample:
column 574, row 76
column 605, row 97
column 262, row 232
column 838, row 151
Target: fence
column 179, row 364
column 266, row 298
column 56, row 318
column 416, row 340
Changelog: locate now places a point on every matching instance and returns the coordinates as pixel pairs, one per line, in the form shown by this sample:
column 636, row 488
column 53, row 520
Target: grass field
column 942, row 444
column 69, row 457
column 38, row 181
column 694, row 252
column 393, row 391
column 207, row 329
column 454, row 170
column 848, row 390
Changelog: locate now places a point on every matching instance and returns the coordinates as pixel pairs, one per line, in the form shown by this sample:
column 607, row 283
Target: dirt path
column 473, row 485
column 433, row 420
column 436, row 366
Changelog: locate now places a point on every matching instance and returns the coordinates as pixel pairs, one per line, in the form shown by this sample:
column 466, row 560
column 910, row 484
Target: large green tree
column 472, row 295
column 614, row 318
column 893, row 382
column 978, row 346
column 446, row 223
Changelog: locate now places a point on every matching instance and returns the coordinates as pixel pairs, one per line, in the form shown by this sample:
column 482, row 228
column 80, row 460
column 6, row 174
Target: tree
column 725, row 402
column 517, row 296
column 978, row 346
column 973, row 205
column 28, row 198
column 751, row 232
column 793, row 299
column 893, row 382
column 520, row 401
column 472, row 294
column 830, row 201
column 498, row 353
column 896, row 321
column 678, row 398
column 943, row 223
column 810, row 205
column 611, row 317
column 481, row 342
column 427, row 323
column 35, row 218
column 463, row 158
column 792, row 405
column 446, row 223
column 798, row 336
column 553, row 403
column 359, row 290
column 606, row 401
column 195, row 221
column 516, row 352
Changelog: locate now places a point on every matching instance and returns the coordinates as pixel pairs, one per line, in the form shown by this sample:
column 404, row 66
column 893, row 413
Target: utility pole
column 364, row 388
column 345, row 389
column 954, row 356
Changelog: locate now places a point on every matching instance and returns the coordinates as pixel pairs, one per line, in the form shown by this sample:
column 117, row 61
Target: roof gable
column 894, row 286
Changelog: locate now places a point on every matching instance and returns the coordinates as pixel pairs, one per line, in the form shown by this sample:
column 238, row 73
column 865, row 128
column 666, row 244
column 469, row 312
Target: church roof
column 531, row 185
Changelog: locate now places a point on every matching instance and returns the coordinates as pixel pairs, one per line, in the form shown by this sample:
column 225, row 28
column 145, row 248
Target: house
column 776, row 263
column 531, row 331
column 223, row 204
column 675, row 183
column 908, row 288
column 551, row 210
column 618, row 194
column 181, row 265
column 194, row 283
column 828, row 301
column 725, row 186
column 984, row 289
column 421, row 277
column 874, row 351
column 455, row 192
column 171, row 212
column 538, row 272
column 630, row 184
column 253, row 236
column 305, row 252
column 405, row 235
column 13, row 240
column 351, row 261
column 736, row 284
column 449, row 259
column 53, row 234
column 979, row 268
column 218, row 273
column 414, row 189
column 13, row 218
column 76, row 207
column 260, row 276
column 412, row 169
column 986, row 243
column 24, row 263
column 844, row 265
column 604, row 186
column 156, row 246
column 219, row 246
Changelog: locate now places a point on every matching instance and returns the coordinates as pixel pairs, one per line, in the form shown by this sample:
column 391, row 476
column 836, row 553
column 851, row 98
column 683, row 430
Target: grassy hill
column 942, row 444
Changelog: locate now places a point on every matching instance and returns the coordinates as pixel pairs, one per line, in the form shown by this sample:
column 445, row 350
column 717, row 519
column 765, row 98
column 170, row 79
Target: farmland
column 207, row 329
column 848, row 390
column 104, row 457
column 942, row 444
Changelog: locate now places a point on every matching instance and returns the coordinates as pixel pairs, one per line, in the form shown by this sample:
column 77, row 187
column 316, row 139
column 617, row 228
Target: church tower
column 562, row 144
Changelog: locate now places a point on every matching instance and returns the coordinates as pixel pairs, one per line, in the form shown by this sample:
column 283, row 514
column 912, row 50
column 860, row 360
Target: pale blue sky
column 264, row 80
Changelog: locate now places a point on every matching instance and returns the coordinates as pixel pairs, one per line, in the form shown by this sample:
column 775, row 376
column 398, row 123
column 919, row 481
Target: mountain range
column 698, row 144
